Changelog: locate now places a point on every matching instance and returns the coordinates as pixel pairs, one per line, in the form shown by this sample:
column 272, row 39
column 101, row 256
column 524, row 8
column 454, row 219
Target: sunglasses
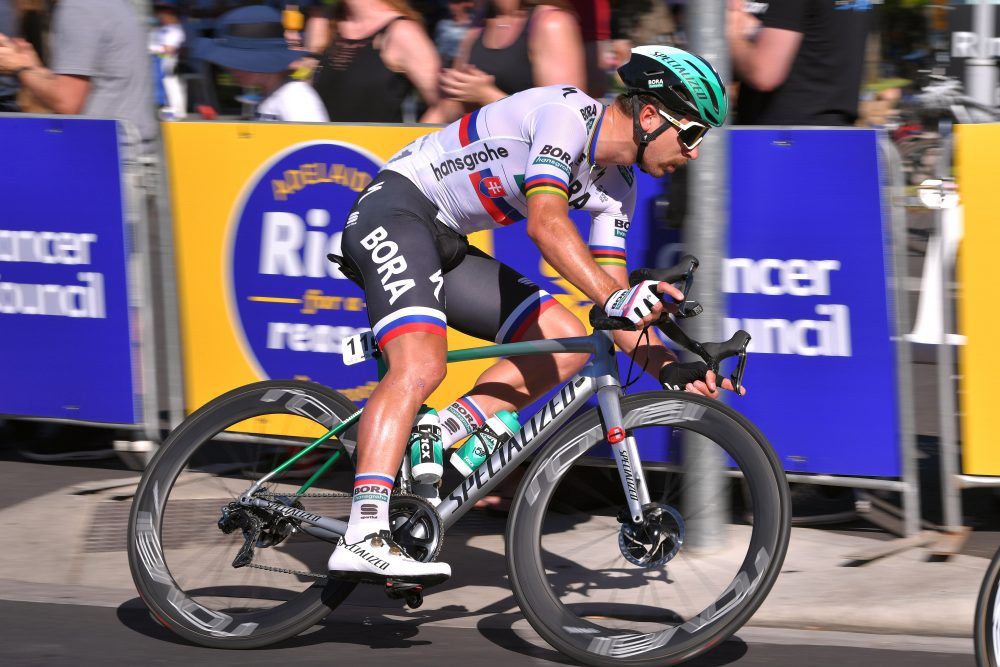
column 690, row 132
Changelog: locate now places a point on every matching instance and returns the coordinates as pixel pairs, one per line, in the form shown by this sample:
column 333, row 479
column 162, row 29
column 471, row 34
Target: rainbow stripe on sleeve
column 545, row 184
column 608, row 255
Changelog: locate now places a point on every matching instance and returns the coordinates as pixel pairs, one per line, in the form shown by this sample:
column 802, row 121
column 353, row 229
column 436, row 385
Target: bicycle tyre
column 169, row 603
column 593, row 644
column 986, row 630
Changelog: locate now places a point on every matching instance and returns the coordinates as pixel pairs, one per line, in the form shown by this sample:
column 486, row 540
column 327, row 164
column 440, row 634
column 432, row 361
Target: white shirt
column 296, row 101
column 480, row 170
column 164, row 37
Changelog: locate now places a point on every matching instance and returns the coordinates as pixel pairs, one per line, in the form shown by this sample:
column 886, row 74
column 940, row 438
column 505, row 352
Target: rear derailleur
column 261, row 528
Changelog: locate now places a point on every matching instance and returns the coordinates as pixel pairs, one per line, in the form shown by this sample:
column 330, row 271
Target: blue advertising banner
column 64, row 320
column 806, row 277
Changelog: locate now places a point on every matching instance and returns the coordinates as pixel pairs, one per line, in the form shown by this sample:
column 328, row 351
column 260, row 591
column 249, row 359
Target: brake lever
column 688, row 308
column 736, row 346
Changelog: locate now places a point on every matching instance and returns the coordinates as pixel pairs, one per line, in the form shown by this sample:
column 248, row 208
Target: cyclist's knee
column 419, row 377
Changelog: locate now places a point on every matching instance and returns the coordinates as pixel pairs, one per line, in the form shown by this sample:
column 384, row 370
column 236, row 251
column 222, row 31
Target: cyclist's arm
column 550, row 228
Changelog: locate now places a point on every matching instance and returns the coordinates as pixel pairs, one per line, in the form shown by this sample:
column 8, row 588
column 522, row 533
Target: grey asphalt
column 63, row 634
column 64, row 542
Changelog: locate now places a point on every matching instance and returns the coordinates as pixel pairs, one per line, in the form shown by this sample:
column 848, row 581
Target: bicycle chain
column 282, row 570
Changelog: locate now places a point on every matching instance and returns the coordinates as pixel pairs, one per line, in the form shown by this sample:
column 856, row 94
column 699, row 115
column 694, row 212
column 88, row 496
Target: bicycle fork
column 625, row 451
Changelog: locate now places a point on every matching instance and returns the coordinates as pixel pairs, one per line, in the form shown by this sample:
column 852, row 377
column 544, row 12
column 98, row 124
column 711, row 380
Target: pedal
column 401, row 590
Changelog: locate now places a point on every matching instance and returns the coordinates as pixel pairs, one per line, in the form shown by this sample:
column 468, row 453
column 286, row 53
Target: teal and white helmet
column 684, row 82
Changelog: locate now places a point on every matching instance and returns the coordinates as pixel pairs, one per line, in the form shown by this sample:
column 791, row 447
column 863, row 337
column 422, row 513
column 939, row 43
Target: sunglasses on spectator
column 690, row 132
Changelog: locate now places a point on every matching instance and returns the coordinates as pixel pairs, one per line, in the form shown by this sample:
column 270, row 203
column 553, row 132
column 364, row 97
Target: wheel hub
column 655, row 540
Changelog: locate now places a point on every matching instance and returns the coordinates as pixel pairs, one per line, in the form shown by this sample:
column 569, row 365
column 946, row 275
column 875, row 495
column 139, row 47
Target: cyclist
column 530, row 156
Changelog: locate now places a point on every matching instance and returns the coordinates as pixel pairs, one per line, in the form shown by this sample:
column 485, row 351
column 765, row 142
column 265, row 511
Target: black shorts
column 420, row 275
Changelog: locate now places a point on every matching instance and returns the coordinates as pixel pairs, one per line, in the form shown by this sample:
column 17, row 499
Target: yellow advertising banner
column 977, row 148
column 256, row 209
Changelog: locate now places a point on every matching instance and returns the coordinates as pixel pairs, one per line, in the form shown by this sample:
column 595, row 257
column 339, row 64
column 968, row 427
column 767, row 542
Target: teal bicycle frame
column 599, row 376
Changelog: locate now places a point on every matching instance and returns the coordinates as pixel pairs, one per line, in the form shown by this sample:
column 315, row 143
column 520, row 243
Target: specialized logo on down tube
column 292, row 306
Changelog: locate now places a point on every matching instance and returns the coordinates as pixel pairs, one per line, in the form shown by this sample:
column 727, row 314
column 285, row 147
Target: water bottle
column 426, row 454
column 496, row 431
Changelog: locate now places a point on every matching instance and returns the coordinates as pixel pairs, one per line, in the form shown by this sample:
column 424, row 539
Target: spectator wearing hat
column 165, row 42
column 100, row 65
column 250, row 43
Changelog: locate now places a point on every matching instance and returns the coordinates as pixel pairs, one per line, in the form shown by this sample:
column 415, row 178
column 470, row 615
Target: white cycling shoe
column 377, row 559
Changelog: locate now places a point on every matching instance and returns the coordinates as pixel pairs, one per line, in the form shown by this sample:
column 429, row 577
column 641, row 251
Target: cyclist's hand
column 640, row 304
column 695, row 377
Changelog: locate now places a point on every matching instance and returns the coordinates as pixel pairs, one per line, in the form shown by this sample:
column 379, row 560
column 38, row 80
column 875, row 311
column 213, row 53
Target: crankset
column 416, row 526
column 655, row 540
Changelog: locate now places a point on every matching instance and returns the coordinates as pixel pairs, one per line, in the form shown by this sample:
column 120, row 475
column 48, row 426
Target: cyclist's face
column 666, row 154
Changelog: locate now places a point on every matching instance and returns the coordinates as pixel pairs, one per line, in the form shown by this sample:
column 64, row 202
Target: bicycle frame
column 599, row 376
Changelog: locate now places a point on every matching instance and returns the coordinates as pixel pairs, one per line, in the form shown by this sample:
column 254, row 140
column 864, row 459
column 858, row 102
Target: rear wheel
column 607, row 591
column 987, row 624
column 187, row 534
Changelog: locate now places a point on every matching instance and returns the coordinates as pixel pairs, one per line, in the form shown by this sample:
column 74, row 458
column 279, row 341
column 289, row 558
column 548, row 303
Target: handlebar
column 682, row 274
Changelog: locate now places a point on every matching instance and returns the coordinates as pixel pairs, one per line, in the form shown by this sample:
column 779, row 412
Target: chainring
column 416, row 526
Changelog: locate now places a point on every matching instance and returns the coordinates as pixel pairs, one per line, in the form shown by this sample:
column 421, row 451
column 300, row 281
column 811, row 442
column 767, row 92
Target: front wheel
column 987, row 625
column 606, row 591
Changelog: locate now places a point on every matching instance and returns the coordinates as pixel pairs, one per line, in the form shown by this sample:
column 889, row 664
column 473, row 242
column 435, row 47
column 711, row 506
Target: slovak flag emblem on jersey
column 492, row 187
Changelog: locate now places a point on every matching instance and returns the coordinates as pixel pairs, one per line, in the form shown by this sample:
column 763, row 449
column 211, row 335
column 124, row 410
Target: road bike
column 235, row 516
column 987, row 622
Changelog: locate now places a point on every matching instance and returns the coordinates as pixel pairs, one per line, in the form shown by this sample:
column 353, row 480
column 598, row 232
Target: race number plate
column 359, row 347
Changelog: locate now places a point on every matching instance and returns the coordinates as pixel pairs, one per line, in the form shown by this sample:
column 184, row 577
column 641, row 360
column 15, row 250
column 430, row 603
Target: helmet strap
column 642, row 137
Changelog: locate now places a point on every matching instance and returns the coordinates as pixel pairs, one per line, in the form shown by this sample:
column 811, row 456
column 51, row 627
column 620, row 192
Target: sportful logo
column 469, row 161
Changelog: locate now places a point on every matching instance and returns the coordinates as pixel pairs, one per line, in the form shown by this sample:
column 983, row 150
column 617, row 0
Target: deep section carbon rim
column 186, row 530
column 607, row 592
column 987, row 623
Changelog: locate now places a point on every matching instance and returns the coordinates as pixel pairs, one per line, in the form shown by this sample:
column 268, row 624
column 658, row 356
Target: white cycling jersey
column 480, row 170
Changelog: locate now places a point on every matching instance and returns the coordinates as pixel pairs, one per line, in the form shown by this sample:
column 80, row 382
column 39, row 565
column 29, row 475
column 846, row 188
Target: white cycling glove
column 633, row 303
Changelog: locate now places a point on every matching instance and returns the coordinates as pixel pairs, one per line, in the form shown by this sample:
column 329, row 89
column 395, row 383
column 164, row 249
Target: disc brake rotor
column 654, row 541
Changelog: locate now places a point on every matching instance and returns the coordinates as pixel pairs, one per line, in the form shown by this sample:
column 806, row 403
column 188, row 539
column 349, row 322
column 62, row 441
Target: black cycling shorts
column 420, row 275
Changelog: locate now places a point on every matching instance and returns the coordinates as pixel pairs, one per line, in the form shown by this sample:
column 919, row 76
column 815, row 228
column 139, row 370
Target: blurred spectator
column 379, row 51
column 451, row 31
column 251, row 45
column 165, row 42
column 523, row 44
column 595, row 28
column 643, row 22
column 8, row 83
column 799, row 62
column 100, row 66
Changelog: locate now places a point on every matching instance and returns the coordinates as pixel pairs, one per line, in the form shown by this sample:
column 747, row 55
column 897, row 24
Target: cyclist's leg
column 387, row 242
column 490, row 300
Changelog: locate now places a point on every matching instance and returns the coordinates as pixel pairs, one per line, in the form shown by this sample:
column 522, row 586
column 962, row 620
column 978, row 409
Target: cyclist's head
column 685, row 90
